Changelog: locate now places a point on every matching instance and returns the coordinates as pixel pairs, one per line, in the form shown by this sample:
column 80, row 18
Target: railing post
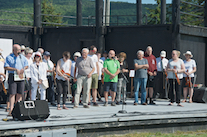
column 37, row 24
column 99, row 26
column 139, row 12
column 205, row 18
column 175, row 24
column 79, row 13
column 163, row 12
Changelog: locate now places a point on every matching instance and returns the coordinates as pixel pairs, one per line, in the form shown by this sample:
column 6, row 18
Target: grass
column 199, row 133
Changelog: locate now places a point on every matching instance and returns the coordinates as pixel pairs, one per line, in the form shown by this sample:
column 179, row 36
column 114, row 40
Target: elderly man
column 94, row 84
column 140, row 79
column 50, row 77
column 152, row 72
column 111, row 70
column 85, row 68
column 160, row 86
column 16, row 65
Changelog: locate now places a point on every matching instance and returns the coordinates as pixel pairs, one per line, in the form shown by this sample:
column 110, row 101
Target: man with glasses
column 16, row 65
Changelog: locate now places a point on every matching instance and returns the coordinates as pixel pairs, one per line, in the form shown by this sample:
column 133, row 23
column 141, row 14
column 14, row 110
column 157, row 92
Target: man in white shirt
column 94, row 83
column 161, row 85
column 50, row 70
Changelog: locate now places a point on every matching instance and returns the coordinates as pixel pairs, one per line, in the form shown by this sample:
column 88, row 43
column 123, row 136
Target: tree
column 48, row 8
column 154, row 15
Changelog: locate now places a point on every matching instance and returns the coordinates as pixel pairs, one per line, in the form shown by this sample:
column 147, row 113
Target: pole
column 139, row 12
column 107, row 12
column 99, row 26
column 175, row 24
column 37, row 24
column 163, row 12
column 79, row 13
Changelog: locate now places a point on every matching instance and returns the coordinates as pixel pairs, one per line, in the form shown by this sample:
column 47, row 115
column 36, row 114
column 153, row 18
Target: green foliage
column 67, row 8
column 48, row 8
column 154, row 14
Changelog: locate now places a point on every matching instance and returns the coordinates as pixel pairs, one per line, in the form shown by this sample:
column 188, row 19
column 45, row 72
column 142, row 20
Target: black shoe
column 106, row 104
column 100, row 100
column 89, row 103
column 113, row 104
column 86, row 106
column 124, row 103
column 95, row 104
column 117, row 102
column 53, row 104
column 152, row 102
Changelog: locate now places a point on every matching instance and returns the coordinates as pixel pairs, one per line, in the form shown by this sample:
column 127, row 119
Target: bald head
column 111, row 54
column 149, row 50
column 16, row 49
column 41, row 50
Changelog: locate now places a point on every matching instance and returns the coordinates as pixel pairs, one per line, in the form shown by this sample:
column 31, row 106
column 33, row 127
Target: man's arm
column 97, row 66
column 89, row 75
column 136, row 66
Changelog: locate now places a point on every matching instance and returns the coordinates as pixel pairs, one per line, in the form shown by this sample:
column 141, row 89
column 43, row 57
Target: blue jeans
column 137, row 83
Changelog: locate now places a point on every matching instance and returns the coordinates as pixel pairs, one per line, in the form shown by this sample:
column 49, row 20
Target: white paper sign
column 131, row 73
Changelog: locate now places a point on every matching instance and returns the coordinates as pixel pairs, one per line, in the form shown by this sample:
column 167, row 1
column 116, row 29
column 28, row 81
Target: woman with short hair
column 121, row 86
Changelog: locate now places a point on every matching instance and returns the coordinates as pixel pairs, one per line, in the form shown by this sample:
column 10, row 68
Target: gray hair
column 40, row 50
column 148, row 47
column 87, row 50
column 28, row 50
column 140, row 51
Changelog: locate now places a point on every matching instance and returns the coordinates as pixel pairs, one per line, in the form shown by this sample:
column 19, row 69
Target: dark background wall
column 128, row 39
column 20, row 35
column 197, row 46
column 58, row 40
column 131, row 39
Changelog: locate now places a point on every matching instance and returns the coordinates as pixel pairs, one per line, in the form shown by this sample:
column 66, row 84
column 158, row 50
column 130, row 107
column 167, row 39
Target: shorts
column 184, row 84
column 94, row 82
column 150, row 81
column 15, row 87
column 110, row 86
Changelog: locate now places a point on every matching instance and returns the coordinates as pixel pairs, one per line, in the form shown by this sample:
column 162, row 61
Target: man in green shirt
column 111, row 70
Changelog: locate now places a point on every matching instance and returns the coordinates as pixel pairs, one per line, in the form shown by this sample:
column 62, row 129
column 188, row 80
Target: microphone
column 113, row 58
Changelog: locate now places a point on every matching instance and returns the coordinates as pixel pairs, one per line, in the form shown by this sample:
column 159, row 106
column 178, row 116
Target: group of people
column 89, row 73
column 166, row 77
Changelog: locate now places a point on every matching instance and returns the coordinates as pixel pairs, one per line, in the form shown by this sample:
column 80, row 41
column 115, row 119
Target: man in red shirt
column 152, row 72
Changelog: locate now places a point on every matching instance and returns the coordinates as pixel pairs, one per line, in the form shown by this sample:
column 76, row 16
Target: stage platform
column 97, row 121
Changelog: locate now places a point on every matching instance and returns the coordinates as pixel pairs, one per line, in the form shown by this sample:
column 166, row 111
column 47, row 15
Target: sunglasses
column 36, row 56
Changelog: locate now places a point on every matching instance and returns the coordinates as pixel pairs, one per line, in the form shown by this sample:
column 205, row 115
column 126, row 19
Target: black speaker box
column 200, row 95
column 31, row 110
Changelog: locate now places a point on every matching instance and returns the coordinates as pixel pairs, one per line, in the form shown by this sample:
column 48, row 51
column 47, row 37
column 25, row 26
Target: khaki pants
column 85, row 83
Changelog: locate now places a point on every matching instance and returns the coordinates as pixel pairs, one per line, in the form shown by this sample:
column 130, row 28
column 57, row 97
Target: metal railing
column 198, row 19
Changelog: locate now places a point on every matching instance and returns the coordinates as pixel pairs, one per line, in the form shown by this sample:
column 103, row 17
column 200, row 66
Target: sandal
column 7, row 109
column 190, row 101
column 184, row 101
column 58, row 108
column 64, row 107
column 179, row 105
column 170, row 104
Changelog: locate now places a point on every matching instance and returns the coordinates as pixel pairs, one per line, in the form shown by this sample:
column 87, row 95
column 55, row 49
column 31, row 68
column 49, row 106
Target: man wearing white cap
column 160, row 79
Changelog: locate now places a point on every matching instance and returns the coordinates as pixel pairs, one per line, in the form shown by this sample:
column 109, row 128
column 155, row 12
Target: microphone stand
column 122, row 111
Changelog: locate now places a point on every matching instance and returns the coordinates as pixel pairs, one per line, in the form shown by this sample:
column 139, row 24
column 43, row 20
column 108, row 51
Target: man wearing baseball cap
column 160, row 78
column 50, row 70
